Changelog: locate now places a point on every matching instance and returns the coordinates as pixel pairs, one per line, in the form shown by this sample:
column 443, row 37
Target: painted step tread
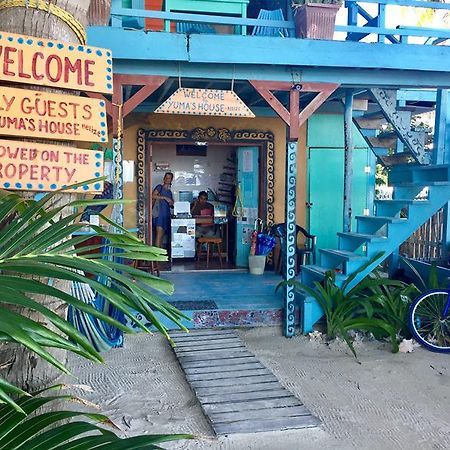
column 344, row 254
column 400, row 201
column 381, row 219
column 363, row 236
column 319, row 270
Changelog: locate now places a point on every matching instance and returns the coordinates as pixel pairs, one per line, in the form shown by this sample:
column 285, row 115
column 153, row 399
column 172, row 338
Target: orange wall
column 178, row 122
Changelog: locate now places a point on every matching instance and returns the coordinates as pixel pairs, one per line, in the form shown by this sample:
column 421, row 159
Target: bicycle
column 429, row 320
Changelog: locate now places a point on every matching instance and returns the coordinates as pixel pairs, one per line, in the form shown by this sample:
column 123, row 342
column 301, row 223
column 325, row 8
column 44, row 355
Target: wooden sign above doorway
column 205, row 102
column 31, row 60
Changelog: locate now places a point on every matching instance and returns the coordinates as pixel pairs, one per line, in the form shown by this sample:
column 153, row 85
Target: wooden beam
column 274, row 103
column 315, row 104
column 137, row 80
column 140, row 96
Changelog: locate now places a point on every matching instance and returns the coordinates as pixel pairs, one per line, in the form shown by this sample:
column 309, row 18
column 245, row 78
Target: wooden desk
column 223, row 7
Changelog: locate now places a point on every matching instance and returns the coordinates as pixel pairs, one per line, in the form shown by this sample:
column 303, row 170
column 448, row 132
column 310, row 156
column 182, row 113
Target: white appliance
column 183, row 237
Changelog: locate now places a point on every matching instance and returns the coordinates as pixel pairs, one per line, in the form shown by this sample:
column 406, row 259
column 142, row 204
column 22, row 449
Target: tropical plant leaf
column 44, row 431
column 37, row 245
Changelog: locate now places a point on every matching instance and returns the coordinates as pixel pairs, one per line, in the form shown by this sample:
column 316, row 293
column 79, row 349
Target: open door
column 247, row 201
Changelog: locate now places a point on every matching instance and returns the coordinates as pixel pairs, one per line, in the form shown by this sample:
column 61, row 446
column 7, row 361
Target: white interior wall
column 191, row 173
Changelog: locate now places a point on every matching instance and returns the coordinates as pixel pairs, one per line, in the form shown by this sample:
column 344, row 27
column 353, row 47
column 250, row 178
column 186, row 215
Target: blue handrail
column 375, row 25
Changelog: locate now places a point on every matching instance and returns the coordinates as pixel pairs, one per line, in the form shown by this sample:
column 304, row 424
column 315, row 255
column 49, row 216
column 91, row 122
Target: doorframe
column 265, row 140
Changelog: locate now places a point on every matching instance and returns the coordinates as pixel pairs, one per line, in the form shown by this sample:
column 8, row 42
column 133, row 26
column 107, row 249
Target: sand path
column 388, row 401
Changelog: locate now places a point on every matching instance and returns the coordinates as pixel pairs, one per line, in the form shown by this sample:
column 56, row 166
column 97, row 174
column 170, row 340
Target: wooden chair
column 209, row 242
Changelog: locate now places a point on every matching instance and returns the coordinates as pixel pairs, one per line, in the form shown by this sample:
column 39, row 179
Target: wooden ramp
column 236, row 391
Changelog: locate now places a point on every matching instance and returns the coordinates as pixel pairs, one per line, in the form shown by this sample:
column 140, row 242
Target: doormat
column 194, row 305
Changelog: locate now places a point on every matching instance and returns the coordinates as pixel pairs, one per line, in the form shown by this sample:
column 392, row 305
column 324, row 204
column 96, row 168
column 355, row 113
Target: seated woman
column 201, row 208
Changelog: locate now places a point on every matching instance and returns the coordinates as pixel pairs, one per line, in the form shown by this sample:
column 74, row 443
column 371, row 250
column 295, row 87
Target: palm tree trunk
column 18, row 365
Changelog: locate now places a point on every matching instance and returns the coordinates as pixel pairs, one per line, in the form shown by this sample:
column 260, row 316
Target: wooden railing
column 427, row 243
column 358, row 11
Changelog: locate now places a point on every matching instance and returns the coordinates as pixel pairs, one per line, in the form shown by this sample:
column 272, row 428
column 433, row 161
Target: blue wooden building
column 326, row 111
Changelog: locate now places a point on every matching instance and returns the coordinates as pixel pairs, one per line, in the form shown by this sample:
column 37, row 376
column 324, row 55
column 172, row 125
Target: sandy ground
column 388, row 401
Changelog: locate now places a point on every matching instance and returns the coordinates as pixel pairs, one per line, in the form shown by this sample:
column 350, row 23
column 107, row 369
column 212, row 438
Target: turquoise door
column 326, row 191
column 248, row 180
column 325, row 142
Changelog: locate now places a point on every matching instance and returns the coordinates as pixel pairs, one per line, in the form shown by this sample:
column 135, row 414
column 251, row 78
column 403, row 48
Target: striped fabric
column 100, row 334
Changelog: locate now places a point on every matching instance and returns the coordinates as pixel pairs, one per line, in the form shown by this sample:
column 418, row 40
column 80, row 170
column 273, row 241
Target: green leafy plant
column 37, row 430
column 390, row 300
column 37, row 244
column 432, row 282
column 349, row 309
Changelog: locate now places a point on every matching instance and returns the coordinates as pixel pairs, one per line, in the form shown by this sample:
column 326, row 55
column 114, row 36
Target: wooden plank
column 206, row 332
column 209, row 346
column 270, row 386
column 243, row 396
column 189, row 359
column 223, row 368
column 251, row 405
column 233, row 382
column 232, row 374
column 254, row 426
column 195, row 339
column 202, row 351
column 268, row 413
column 202, row 338
column 245, row 359
column 212, row 352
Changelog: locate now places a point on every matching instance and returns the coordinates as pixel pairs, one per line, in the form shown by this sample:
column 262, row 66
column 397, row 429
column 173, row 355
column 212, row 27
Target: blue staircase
column 394, row 221
column 419, row 191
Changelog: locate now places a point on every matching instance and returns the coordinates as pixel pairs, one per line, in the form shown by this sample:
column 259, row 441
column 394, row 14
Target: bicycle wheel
column 427, row 321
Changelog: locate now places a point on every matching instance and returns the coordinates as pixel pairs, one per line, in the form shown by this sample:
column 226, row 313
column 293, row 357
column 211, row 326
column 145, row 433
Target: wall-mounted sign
column 44, row 167
column 31, row 60
column 40, row 114
column 205, row 102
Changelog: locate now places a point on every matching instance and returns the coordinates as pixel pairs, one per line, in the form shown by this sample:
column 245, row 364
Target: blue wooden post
column 381, row 21
column 291, row 237
column 117, row 213
column 116, row 21
column 441, row 154
column 348, row 157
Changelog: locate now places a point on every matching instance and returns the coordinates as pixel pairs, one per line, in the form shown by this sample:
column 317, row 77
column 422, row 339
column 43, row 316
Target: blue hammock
column 99, row 333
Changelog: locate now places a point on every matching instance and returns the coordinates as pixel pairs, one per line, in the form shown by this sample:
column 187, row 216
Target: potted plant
column 315, row 19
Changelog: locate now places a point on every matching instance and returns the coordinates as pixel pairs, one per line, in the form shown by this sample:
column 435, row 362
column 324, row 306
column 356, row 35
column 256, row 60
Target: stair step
column 363, row 236
column 378, row 141
column 320, row 272
column 401, row 202
column 384, row 219
column 396, row 159
column 343, row 254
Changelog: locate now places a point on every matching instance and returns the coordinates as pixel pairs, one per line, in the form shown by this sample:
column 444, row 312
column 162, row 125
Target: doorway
column 215, row 165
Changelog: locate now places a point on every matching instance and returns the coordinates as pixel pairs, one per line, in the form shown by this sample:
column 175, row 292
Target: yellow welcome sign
column 53, row 116
column 31, row 60
column 45, row 167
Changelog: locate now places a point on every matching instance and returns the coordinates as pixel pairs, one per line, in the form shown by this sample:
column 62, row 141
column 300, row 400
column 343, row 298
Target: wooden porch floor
column 226, row 298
